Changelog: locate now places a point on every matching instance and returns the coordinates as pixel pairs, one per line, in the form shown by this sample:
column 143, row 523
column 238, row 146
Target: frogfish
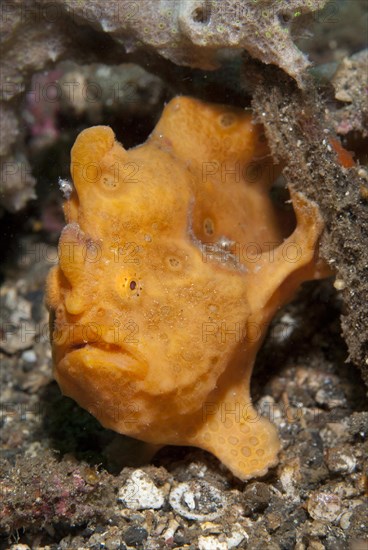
column 173, row 261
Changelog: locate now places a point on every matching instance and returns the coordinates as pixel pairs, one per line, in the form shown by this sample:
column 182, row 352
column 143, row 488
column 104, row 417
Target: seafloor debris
column 351, row 84
column 299, row 134
column 194, row 32
column 36, row 35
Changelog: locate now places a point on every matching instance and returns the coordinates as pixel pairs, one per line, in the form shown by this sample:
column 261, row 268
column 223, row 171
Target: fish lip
column 113, row 354
column 75, row 347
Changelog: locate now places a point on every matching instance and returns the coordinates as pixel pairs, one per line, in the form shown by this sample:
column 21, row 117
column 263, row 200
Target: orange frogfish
column 172, row 263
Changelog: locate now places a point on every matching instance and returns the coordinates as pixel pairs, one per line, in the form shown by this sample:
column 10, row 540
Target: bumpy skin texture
column 172, row 263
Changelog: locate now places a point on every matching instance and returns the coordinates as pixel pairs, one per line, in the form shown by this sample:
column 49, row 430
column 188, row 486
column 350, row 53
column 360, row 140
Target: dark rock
column 313, row 467
column 286, row 534
column 257, row 497
column 182, row 536
column 135, row 536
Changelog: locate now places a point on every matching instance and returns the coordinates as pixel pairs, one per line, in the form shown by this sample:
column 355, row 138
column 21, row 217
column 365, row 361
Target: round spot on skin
column 246, row 451
column 173, row 263
column 208, row 226
column 254, row 462
column 132, row 285
column 260, row 452
column 109, row 182
column 233, row 440
column 242, row 464
column 254, row 440
column 244, row 429
column 226, row 120
column 234, row 452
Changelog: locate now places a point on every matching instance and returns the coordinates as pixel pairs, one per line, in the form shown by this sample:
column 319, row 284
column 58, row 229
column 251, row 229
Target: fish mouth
column 101, row 356
column 105, row 380
column 103, row 346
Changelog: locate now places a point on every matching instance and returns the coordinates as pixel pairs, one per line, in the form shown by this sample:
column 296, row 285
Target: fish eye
column 131, row 286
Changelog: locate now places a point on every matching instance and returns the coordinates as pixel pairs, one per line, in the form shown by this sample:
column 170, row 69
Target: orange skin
column 172, row 263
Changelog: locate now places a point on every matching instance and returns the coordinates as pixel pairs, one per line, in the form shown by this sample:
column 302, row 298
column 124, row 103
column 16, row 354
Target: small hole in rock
column 285, row 19
column 201, row 14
